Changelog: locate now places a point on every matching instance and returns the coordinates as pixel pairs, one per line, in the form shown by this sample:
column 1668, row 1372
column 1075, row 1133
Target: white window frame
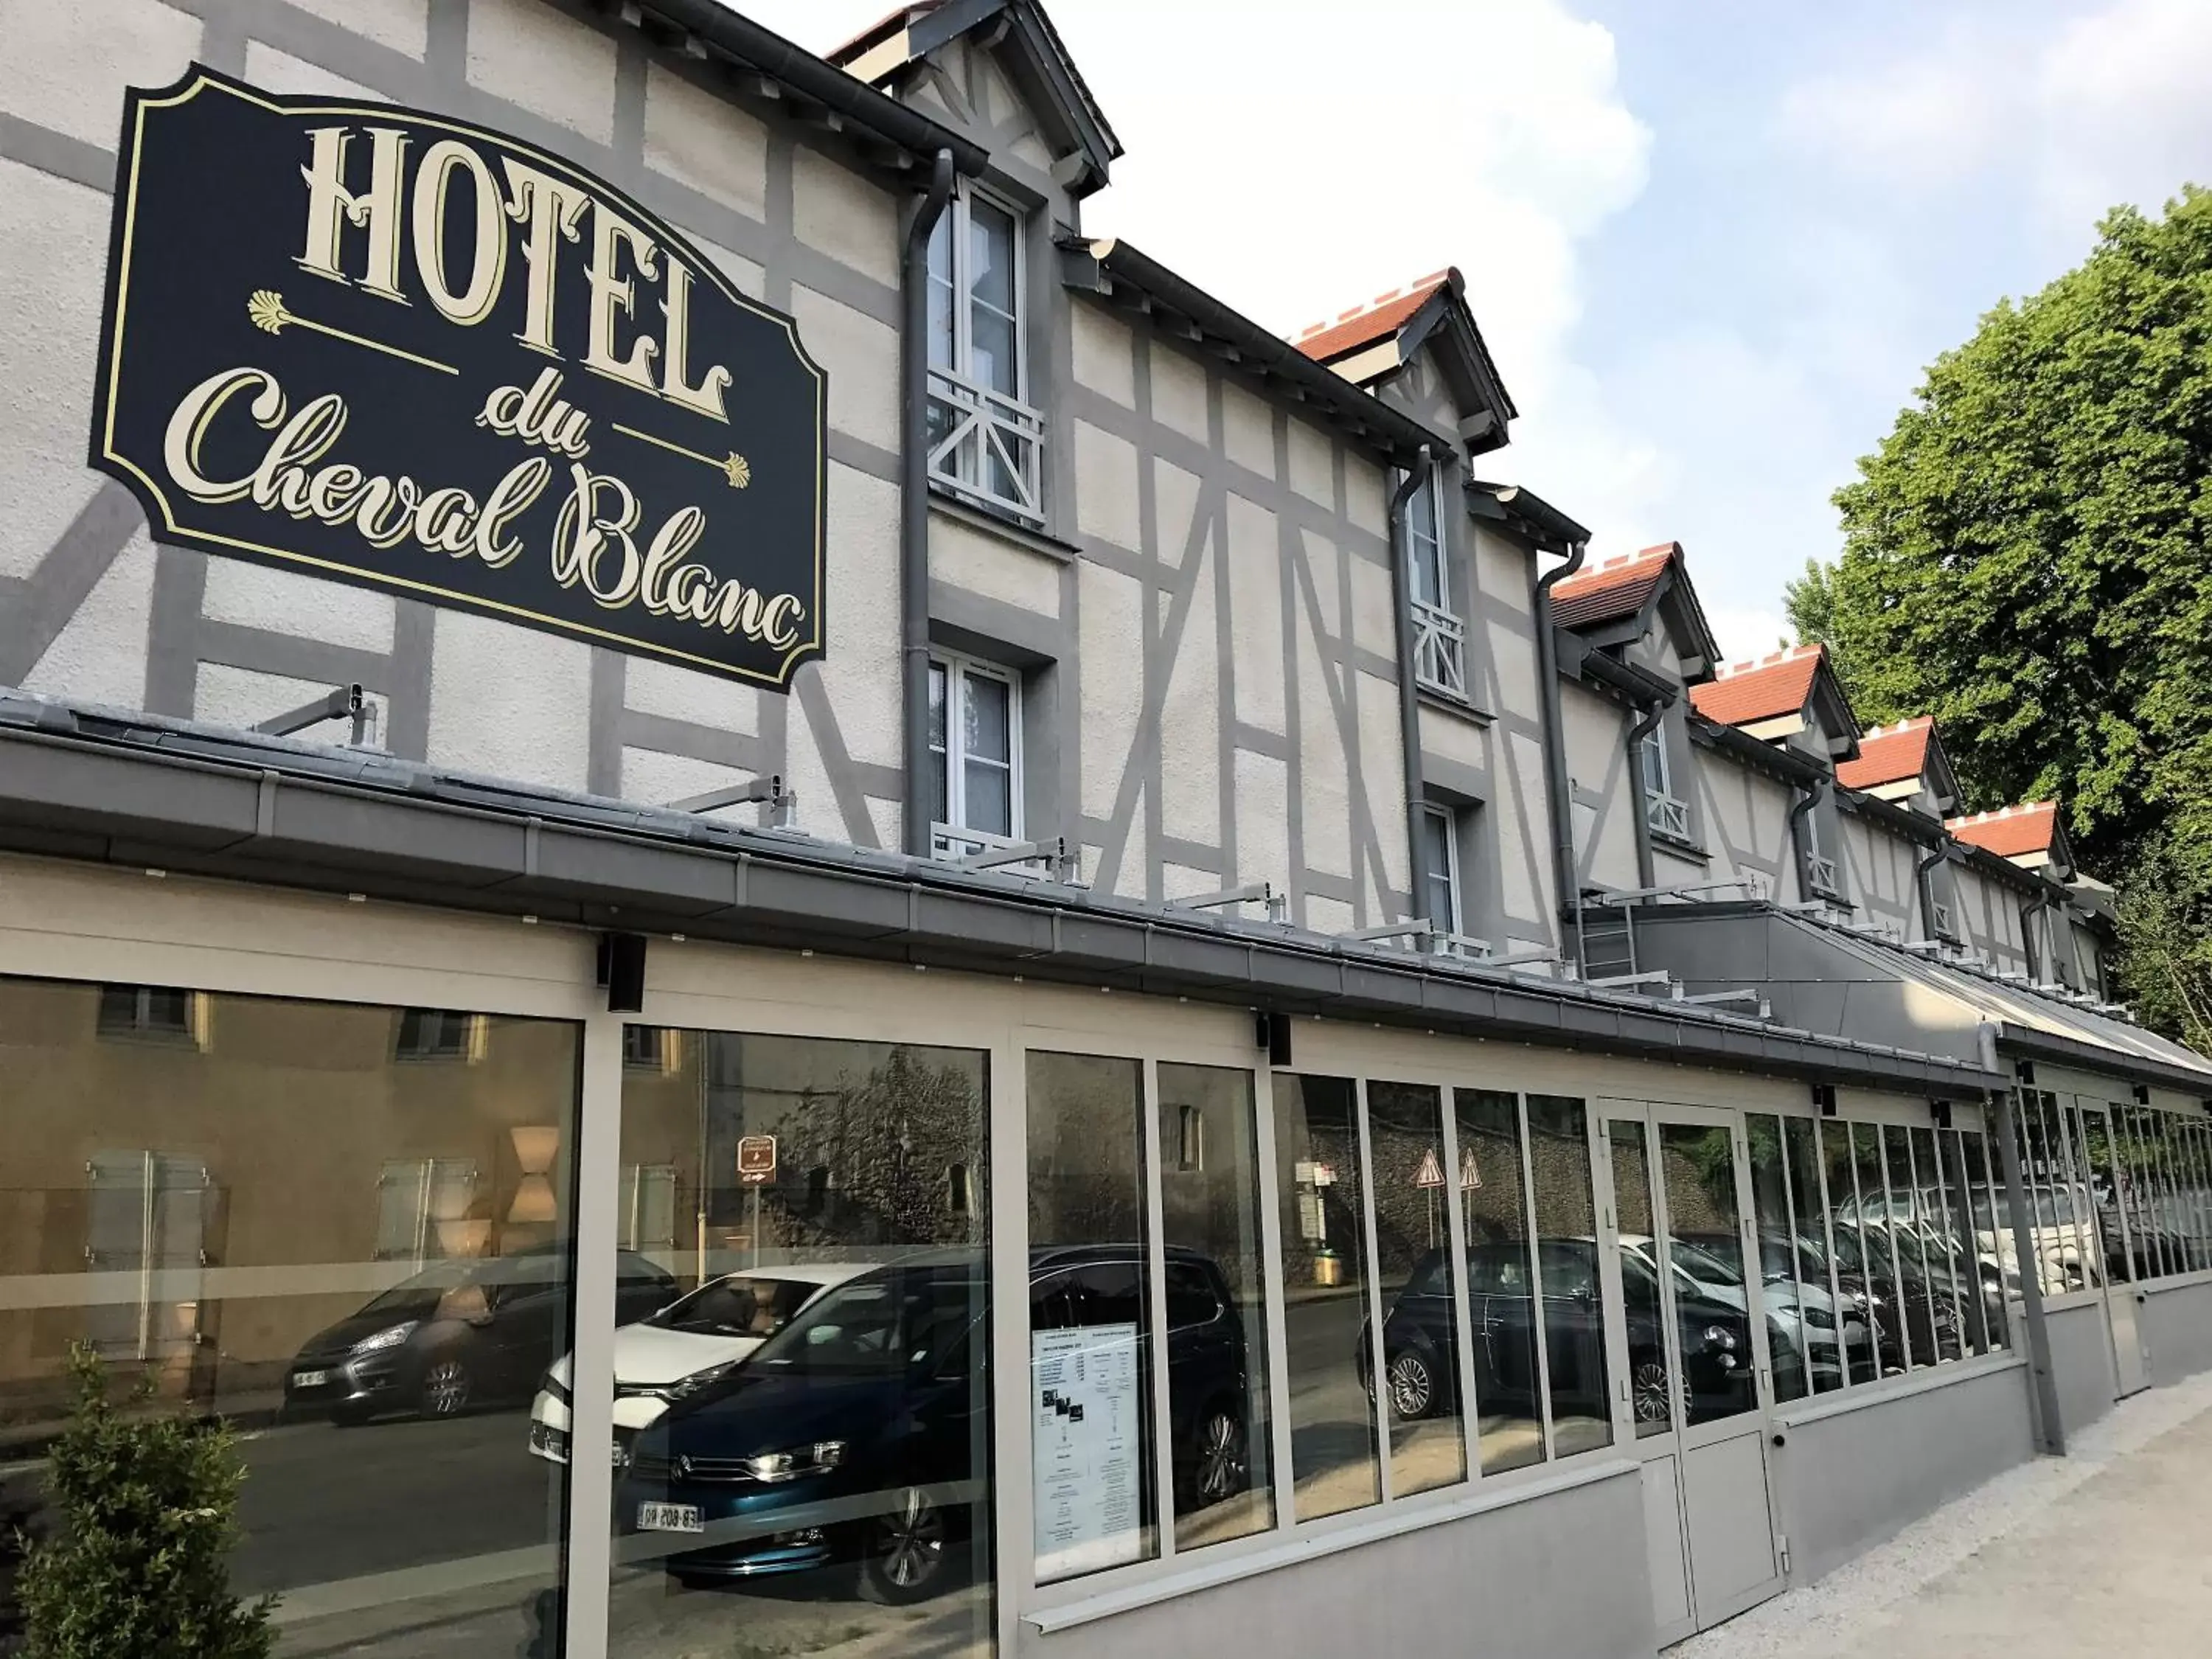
column 1451, row 931
column 986, row 422
column 951, row 836
column 1820, row 870
column 1666, row 812
column 1439, row 634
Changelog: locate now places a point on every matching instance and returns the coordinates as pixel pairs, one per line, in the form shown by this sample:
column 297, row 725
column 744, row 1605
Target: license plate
column 309, row 1379
column 669, row 1517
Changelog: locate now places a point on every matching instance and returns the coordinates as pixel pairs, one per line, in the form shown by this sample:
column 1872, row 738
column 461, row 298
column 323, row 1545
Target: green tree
column 138, row 1566
column 2025, row 557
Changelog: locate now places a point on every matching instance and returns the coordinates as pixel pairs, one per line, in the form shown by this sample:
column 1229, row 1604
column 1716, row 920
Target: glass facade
column 347, row 1231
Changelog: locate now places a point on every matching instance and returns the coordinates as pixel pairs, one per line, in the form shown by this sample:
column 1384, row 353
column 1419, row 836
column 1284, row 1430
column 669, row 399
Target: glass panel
column 1892, row 1316
column 1423, row 547
column 1921, row 1343
column 1095, row 1503
column 1501, row 1285
column 1999, row 1274
column 942, row 294
column 991, row 254
column 2200, row 1198
column 2035, row 1172
column 987, row 722
column 1958, row 1224
column 989, row 798
column 2101, row 1176
column 939, row 806
column 2135, row 1152
column 2174, row 1190
column 2079, row 1211
column 1931, row 1223
column 255, row 1209
column 1436, row 859
column 1566, row 1231
column 1651, row 1393
column 1216, row 1331
column 1704, row 1257
column 1865, row 1318
column 1816, row 1290
column 1333, row 1464
column 844, row 1456
column 1413, row 1264
column 1795, row 1343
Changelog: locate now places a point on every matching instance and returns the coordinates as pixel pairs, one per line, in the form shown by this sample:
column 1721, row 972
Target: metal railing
column 1823, row 873
column 986, row 445
column 1667, row 816
column 1439, row 649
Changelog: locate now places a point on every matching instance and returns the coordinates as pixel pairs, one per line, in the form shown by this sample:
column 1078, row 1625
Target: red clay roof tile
column 1362, row 325
column 1888, row 754
column 1618, row 587
column 2012, row 831
column 1746, row 691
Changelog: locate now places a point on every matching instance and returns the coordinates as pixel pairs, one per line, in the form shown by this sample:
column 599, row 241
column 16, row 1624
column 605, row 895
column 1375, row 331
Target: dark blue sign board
column 392, row 349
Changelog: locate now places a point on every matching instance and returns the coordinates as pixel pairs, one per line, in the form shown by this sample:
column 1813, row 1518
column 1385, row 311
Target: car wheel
column 907, row 1551
column 1648, row 1389
column 1413, row 1387
column 1221, row 1467
column 445, row 1388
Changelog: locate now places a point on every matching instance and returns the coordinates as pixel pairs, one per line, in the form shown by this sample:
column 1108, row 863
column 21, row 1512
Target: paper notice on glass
column 1087, row 1439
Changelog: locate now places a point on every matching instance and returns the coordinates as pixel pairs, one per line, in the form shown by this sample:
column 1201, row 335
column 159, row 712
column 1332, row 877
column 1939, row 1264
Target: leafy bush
column 144, row 1514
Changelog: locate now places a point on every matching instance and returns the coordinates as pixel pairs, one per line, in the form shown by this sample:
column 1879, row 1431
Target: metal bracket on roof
column 1413, row 930
column 1520, row 960
column 1253, row 892
column 1053, row 854
column 1637, row 895
column 1718, row 999
column 1623, row 981
column 343, row 702
column 775, row 801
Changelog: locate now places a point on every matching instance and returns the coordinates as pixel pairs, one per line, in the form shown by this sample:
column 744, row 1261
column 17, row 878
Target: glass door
column 1687, row 1330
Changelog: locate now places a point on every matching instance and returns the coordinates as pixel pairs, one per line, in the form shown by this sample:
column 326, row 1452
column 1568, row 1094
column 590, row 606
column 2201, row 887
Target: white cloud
column 2112, row 107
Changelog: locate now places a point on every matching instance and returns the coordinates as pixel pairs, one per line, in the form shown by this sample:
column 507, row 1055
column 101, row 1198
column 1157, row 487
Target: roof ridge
column 1435, row 279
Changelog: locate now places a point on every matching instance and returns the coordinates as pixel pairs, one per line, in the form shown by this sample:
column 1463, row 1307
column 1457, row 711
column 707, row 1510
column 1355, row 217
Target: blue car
column 858, row 1434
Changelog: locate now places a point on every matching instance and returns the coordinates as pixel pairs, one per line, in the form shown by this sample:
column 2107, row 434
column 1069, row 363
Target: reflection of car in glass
column 1417, row 1333
column 1801, row 1318
column 684, row 1347
column 1911, row 1314
column 858, row 1432
column 458, row 1334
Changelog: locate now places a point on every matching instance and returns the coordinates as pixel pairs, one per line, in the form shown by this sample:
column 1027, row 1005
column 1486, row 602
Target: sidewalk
column 2101, row 1553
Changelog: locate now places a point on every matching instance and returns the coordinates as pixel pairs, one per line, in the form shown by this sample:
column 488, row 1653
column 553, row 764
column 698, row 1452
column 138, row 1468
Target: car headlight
column 1821, row 1317
column 390, row 1337
column 773, row 1468
column 553, row 1385
column 699, row 1381
column 1720, row 1336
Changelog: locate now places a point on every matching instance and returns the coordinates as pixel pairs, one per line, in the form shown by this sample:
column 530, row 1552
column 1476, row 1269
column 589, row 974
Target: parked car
column 458, row 1335
column 857, row 1434
column 1417, row 1335
column 679, row 1349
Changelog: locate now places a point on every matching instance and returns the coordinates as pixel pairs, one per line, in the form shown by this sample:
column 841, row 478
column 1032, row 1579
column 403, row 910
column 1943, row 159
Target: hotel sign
column 392, row 348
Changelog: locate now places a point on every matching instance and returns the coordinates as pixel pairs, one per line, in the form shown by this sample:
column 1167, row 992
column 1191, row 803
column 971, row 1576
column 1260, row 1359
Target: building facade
column 1078, row 982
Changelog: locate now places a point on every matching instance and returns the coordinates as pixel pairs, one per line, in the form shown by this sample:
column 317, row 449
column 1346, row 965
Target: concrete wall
column 1843, row 1482
column 2177, row 1325
column 2080, row 1363
column 1747, row 819
column 1595, row 731
column 1562, row 1574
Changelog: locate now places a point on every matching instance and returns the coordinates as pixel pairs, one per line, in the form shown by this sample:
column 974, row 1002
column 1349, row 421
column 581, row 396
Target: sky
column 1712, row 244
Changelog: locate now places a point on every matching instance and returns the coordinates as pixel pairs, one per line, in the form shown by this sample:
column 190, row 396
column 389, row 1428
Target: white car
column 694, row 1342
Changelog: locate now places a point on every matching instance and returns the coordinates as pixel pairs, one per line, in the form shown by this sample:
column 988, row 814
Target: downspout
column 1924, row 883
column 1409, row 706
column 1646, row 871
column 1807, row 800
column 2051, row 1429
column 913, row 500
column 1563, row 875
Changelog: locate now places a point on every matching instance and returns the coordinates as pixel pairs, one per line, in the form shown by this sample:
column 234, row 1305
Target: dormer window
column 985, row 441
column 1439, row 636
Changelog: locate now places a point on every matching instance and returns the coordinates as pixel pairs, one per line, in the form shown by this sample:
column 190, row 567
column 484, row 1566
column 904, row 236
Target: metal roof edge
column 398, row 830
column 2092, row 1057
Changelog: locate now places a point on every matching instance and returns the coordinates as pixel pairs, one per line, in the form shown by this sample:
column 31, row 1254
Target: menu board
column 1087, row 1439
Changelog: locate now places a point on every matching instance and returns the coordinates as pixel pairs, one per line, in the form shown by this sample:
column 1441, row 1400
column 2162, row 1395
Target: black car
column 858, row 1434
column 1416, row 1334
column 455, row 1336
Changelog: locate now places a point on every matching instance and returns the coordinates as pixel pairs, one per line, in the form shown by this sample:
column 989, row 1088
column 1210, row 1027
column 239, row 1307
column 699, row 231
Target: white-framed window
column 985, row 443
column 974, row 754
column 1667, row 812
column 1440, row 870
column 1439, row 635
